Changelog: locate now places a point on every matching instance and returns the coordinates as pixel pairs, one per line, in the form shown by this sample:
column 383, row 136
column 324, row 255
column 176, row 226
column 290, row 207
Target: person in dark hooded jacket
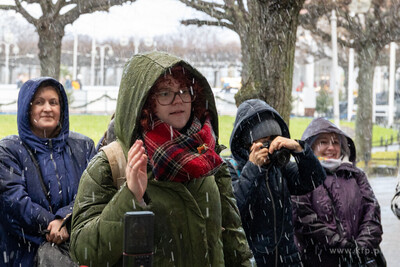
column 263, row 184
column 339, row 223
column 40, row 171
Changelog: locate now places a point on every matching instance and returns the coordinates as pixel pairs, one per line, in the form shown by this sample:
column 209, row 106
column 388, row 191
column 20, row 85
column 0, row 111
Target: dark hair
column 188, row 80
column 55, row 86
column 52, row 84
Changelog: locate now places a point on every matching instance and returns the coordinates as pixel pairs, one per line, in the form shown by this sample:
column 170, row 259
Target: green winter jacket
column 197, row 223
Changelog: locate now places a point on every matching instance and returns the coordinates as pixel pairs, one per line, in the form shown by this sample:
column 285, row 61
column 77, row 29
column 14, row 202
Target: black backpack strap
column 45, row 191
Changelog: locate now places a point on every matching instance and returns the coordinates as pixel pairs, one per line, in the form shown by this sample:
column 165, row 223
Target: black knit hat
column 264, row 128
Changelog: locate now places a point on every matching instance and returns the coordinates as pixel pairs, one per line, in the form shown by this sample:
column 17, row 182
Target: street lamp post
column 102, row 55
column 333, row 81
column 392, row 78
column 102, row 49
column 93, row 54
column 350, row 85
column 75, row 57
column 8, row 42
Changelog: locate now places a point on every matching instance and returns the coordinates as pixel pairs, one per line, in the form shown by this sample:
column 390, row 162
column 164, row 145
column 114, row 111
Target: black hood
column 249, row 113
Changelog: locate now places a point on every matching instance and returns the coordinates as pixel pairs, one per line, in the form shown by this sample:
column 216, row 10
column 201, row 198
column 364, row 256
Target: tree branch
column 241, row 6
column 311, row 14
column 392, row 18
column 24, row 13
column 200, row 23
column 32, row 1
column 211, row 9
column 74, row 14
column 236, row 13
column 46, row 6
column 60, row 4
column 350, row 24
column 89, row 6
column 8, row 7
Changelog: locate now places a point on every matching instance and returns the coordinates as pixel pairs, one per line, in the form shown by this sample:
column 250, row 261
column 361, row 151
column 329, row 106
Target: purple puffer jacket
column 338, row 214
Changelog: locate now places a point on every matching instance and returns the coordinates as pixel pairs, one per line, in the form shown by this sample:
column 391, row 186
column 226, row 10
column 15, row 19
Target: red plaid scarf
column 179, row 157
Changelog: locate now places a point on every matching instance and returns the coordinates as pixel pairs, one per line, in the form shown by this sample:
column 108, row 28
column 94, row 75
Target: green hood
column 140, row 74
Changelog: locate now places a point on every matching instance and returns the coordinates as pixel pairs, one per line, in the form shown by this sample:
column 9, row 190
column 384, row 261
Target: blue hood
column 25, row 96
column 249, row 113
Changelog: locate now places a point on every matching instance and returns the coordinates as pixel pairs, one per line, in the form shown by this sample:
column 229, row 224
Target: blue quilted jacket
column 25, row 211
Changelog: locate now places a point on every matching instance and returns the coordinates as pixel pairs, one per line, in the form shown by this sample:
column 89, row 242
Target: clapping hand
column 136, row 170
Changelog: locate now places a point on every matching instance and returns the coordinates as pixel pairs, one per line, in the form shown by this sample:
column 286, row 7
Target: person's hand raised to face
column 259, row 153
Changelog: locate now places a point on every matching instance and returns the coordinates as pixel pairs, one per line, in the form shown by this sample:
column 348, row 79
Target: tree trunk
column 50, row 38
column 367, row 59
column 268, row 46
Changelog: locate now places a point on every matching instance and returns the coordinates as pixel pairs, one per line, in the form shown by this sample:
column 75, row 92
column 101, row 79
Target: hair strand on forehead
column 186, row 80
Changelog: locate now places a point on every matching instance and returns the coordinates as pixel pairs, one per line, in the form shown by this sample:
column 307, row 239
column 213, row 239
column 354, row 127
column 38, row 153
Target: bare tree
column 368, row 34
column 200, row 46
column 267, row 32
column 306, row 46
column 51, row 24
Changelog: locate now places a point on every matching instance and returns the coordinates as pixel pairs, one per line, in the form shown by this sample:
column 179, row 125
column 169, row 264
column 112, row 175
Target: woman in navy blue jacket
column 40, row 171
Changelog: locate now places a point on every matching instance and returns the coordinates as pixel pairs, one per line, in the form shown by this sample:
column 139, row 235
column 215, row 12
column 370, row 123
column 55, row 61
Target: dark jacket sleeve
column 308, row 226
column 88, row 151
column 20, row 215
column 65, row 211
column 370, row 230
column 306, row 174
column 236, row 248
column 245, row 186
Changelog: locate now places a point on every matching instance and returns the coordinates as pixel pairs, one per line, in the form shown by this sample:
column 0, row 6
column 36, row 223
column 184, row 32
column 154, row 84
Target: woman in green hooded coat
column 167, row 125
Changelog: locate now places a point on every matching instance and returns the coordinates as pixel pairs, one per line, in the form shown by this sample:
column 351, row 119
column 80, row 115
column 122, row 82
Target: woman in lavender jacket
column 339, row 223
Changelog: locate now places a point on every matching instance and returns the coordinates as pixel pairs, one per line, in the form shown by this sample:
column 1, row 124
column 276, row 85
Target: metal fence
column 92, row 100
column 392, row 140
column 100, row 100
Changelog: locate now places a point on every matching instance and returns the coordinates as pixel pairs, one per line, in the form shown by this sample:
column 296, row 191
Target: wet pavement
column 384, row 188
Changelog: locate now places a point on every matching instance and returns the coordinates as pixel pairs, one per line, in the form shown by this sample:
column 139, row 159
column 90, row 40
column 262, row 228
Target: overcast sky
column 143, row 18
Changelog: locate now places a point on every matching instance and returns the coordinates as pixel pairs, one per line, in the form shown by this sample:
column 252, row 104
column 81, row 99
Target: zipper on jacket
column 55, row 169
column 274, row 213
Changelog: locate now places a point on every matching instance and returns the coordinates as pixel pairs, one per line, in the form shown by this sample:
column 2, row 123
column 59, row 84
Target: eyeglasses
column 326, row 143
column 166, row 97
